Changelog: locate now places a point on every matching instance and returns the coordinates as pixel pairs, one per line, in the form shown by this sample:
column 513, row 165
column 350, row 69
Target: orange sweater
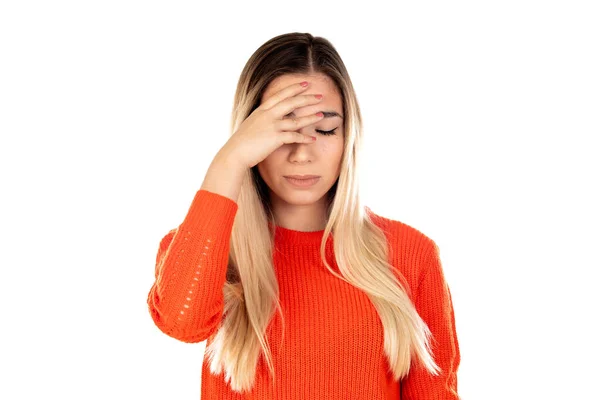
column 333, row 343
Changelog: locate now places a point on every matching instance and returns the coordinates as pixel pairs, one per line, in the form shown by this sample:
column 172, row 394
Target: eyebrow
column 326, row 114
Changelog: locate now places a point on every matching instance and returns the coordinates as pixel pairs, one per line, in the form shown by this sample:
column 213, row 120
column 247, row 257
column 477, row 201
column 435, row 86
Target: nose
column 301, row 153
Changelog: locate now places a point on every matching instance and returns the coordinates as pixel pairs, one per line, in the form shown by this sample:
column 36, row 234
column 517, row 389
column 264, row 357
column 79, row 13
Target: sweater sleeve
column 186, row 299
column 434, row 305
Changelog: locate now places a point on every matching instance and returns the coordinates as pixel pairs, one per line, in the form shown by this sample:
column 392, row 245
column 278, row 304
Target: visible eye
column 331, row 132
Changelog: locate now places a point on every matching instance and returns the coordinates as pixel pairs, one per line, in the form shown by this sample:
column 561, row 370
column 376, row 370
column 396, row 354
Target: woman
column 364, row 311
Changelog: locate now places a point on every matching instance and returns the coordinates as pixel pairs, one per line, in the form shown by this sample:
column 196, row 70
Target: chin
column 299, row 198
column 302, row 197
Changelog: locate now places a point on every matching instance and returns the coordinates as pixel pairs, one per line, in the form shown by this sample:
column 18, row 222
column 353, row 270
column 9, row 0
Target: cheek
column 332, row 151
column 332, row 148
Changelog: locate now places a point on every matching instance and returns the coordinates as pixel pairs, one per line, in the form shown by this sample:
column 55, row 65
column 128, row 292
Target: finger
column 286, row 106
column 293, row 124
column 296, row 137
column 283, row 94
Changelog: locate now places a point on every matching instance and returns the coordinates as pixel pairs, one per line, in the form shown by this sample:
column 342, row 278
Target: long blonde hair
column 251, row 291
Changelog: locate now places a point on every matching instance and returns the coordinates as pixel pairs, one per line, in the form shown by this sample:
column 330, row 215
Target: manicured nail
column 305, row 84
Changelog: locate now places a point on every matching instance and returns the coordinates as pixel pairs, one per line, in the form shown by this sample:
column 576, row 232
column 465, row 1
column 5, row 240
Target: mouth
column 301, row 177
column 302, row 181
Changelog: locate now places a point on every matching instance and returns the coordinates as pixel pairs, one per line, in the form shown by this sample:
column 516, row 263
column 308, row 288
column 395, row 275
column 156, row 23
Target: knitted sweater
column 333, row 342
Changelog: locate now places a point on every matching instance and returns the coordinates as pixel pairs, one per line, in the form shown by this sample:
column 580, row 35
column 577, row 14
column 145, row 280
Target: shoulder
column 410, row 250
column 402, row 234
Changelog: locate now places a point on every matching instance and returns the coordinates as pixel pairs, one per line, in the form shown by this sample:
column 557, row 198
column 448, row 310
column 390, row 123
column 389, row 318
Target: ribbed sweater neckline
column 285, row 235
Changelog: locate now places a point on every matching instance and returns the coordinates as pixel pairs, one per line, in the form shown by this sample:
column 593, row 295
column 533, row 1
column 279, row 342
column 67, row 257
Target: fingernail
column 305, row 83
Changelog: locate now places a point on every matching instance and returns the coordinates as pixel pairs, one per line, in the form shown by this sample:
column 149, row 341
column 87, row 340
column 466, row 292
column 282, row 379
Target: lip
column 302, row 176
column 302, row 183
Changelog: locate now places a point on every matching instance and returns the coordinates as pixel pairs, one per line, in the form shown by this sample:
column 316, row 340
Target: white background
column 481, row 120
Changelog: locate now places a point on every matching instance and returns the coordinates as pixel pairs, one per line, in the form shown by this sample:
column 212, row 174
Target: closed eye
column 331, row 132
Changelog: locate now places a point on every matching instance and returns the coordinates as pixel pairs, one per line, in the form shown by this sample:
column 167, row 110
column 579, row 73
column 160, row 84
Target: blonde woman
column 300, row 290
